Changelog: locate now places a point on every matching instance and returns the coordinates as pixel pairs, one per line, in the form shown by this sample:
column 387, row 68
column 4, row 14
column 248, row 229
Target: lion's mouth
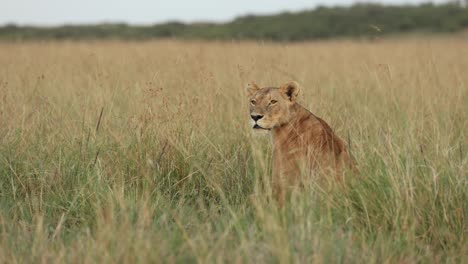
column 259, row 127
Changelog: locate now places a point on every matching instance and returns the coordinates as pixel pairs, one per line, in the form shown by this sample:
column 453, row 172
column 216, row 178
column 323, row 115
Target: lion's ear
column 291, row 89
column 252, row 88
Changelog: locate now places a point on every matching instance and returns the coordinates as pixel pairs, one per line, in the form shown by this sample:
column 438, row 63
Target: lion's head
column 270, row 107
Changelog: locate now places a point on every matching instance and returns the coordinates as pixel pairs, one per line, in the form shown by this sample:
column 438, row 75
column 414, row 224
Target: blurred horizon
column 52, row 13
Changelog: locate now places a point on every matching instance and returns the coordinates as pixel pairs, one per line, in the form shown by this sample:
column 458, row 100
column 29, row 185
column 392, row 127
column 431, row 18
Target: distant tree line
column 360, row 20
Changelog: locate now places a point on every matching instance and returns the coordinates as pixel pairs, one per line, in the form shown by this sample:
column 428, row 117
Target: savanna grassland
column 134, row 152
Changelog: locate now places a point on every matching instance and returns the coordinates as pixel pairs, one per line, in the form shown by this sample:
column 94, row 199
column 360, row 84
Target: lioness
column 303, row 144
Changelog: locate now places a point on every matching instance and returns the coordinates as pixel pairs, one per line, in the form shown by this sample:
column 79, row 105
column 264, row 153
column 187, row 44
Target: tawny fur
column 303, row 144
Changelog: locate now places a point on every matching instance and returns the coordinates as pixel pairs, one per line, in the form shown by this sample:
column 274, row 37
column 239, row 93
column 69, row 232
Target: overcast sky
column 56, row 12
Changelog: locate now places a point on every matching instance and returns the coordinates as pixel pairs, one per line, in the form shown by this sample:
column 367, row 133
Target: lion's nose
column 256, row 117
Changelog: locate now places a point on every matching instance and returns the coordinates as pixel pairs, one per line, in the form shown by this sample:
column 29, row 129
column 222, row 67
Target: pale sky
column 57, row 12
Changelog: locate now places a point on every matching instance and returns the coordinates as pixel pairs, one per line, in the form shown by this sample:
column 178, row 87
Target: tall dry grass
column 122, row 152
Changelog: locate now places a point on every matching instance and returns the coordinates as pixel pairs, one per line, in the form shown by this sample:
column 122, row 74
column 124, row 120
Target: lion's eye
column 253, row 102
column 272, row 102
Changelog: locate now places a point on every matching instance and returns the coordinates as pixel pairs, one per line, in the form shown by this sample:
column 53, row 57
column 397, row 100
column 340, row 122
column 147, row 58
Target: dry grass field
column 134, row 152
